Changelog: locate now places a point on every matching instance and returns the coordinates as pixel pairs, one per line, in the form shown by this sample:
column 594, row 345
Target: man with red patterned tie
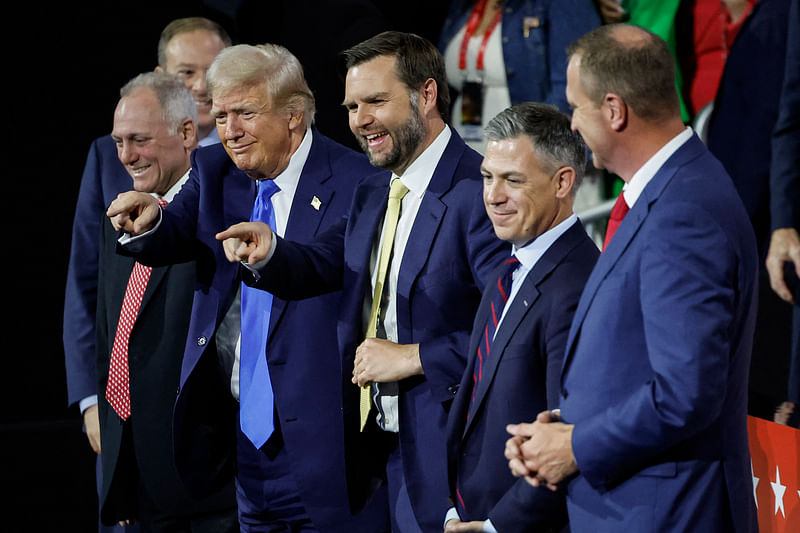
column 652, row 432
column 143, row 316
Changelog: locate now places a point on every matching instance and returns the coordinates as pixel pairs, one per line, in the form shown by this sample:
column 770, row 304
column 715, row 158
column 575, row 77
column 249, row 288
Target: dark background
column 64, row 64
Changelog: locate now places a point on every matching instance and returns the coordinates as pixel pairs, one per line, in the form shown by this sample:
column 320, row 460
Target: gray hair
column 549, row 130
column 271, row 64
column 176, row 100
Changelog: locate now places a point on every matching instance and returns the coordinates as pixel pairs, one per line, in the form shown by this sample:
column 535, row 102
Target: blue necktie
column 255, row 389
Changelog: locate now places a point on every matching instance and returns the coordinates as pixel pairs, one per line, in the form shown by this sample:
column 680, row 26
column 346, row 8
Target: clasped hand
column 541, row 452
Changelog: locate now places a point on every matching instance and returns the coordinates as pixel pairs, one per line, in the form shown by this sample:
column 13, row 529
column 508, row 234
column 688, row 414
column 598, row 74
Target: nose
column 126, row 153
column 360, row 118
column 493, row 191
column 198, row 83
column 233, row 127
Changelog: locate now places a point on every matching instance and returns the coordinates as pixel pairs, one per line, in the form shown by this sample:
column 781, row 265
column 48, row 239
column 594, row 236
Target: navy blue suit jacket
column 520, row 379
column 656, row 364
column 104, row 177
column 301, row 349
column 450, row 253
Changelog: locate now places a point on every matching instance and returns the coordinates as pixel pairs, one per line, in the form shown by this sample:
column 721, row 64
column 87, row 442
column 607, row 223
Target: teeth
column 374, row 136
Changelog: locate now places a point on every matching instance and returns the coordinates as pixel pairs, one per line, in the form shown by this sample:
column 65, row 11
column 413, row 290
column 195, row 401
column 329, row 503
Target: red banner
column 775, row 453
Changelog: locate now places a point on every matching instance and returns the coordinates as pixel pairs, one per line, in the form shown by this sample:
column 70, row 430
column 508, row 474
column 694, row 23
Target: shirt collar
column 211, row 138
column 530, row 254
column 176, row 187
column 419, row 173
column 287, row 180
column 633, row 189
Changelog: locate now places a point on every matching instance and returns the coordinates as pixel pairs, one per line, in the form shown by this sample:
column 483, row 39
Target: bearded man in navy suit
column 653, row 430
column 404, row 347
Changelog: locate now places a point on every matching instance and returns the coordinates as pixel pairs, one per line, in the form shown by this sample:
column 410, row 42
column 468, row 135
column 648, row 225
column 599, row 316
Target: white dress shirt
column 416, row 178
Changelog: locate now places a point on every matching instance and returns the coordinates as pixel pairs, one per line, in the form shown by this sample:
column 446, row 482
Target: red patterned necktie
column 118, row 387
column 618, row 212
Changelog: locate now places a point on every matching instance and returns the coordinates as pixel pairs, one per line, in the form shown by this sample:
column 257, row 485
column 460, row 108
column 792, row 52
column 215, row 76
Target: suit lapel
column 311, row 200
column 625, row 233
column 426, row 224
column 521, row 305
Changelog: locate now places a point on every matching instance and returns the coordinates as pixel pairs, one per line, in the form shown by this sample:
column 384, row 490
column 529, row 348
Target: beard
column 405, row 141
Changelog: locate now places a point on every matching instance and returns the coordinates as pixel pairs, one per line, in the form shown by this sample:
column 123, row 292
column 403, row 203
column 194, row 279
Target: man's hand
column 246, row 241
column 784, row 247
column 541, row 452
column 382, row 361
column 91, row 421
column 134, row 212
column 784, row 412
column 455, row 525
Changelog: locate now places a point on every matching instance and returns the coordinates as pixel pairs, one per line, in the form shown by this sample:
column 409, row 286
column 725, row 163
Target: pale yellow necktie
column 396, row 193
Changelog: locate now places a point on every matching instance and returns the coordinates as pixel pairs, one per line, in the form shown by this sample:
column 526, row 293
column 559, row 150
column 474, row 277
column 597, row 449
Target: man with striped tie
column 532, row 168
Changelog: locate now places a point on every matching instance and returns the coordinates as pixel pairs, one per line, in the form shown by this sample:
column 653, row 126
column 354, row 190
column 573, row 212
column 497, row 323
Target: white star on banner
column 778, row 489
column 755, row 483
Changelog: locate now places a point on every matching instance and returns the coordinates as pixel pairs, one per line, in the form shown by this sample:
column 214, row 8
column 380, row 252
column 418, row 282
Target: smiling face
column 259, row 140
column 189, row 55
column 154, row 155
column 384, row 117
column 522, row 199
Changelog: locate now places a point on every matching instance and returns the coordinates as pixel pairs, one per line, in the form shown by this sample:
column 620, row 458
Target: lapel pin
column 316, row 203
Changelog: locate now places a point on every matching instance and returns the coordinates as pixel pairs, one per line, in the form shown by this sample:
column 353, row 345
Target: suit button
column 453, row 389
column 201, row 341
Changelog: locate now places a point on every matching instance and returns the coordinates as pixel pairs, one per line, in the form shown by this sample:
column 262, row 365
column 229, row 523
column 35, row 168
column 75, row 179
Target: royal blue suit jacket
column 450, row 253
column 656, row 364
column 104, row 177
column 301, row 349
column 520, row 379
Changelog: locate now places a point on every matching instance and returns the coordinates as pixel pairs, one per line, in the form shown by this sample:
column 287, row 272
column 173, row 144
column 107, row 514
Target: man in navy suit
column 533, row 165
column 442, row 253
column 654, row 382
column 291, row 476
column 142, row 320
column 186, row 48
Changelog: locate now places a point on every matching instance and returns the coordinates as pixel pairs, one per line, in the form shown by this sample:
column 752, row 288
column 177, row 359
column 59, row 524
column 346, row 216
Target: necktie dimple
column 118, row 391
column 495, row 312
column 618, row 212
column 396, row 193
column 256, row 411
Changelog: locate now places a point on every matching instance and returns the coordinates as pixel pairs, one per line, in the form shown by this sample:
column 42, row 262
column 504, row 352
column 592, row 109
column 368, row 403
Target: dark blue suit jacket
column 104, row 177
column 520, row 379
column 450, row 253
column 301, row 349
column 656, row 364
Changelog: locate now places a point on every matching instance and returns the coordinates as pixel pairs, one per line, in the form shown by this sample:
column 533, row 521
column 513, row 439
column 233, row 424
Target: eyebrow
column 369, row 98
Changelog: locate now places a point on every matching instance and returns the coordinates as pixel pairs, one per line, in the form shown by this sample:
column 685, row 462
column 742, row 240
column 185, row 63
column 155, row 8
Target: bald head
column 631, row 62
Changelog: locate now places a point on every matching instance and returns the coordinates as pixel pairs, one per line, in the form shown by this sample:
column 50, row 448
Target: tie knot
column 397, row 190
column 620, row 208
column 266, row 188
column 510, row 265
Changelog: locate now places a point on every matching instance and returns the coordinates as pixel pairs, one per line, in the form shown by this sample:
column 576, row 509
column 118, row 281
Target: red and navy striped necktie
column 502, row 291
